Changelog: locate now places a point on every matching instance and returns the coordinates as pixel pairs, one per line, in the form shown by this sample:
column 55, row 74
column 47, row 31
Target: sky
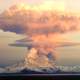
column 10, row 55
column 70, row 5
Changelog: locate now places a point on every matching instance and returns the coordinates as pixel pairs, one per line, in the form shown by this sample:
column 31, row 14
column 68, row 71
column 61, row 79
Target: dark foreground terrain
column 26, row 72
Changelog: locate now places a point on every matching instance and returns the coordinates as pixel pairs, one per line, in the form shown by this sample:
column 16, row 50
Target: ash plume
column 43, row 27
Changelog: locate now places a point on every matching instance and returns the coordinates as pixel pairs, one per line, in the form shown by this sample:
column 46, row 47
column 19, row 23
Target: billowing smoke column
column 43, row 27
column 45, row 31
column 41, row 58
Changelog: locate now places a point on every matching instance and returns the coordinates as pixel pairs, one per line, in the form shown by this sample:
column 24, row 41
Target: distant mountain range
column 20, row 68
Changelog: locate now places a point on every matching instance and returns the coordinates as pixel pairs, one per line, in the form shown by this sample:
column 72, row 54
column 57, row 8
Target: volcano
column 43, row 27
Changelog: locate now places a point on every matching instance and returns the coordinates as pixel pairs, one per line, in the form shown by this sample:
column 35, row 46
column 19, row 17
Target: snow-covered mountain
column 20, row 68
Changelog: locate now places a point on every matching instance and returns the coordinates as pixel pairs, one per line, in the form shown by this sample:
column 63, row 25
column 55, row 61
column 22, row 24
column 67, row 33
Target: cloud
column 7, row 37
column 16, row 19
column 8, row 34
column 43, row 27
column 65, row 43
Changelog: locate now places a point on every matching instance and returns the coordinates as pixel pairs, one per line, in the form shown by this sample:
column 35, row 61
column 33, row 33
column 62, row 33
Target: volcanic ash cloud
column 38, row 59
column 44, row 27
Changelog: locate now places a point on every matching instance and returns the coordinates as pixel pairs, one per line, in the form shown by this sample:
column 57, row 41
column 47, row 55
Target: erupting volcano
column 43, row 26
